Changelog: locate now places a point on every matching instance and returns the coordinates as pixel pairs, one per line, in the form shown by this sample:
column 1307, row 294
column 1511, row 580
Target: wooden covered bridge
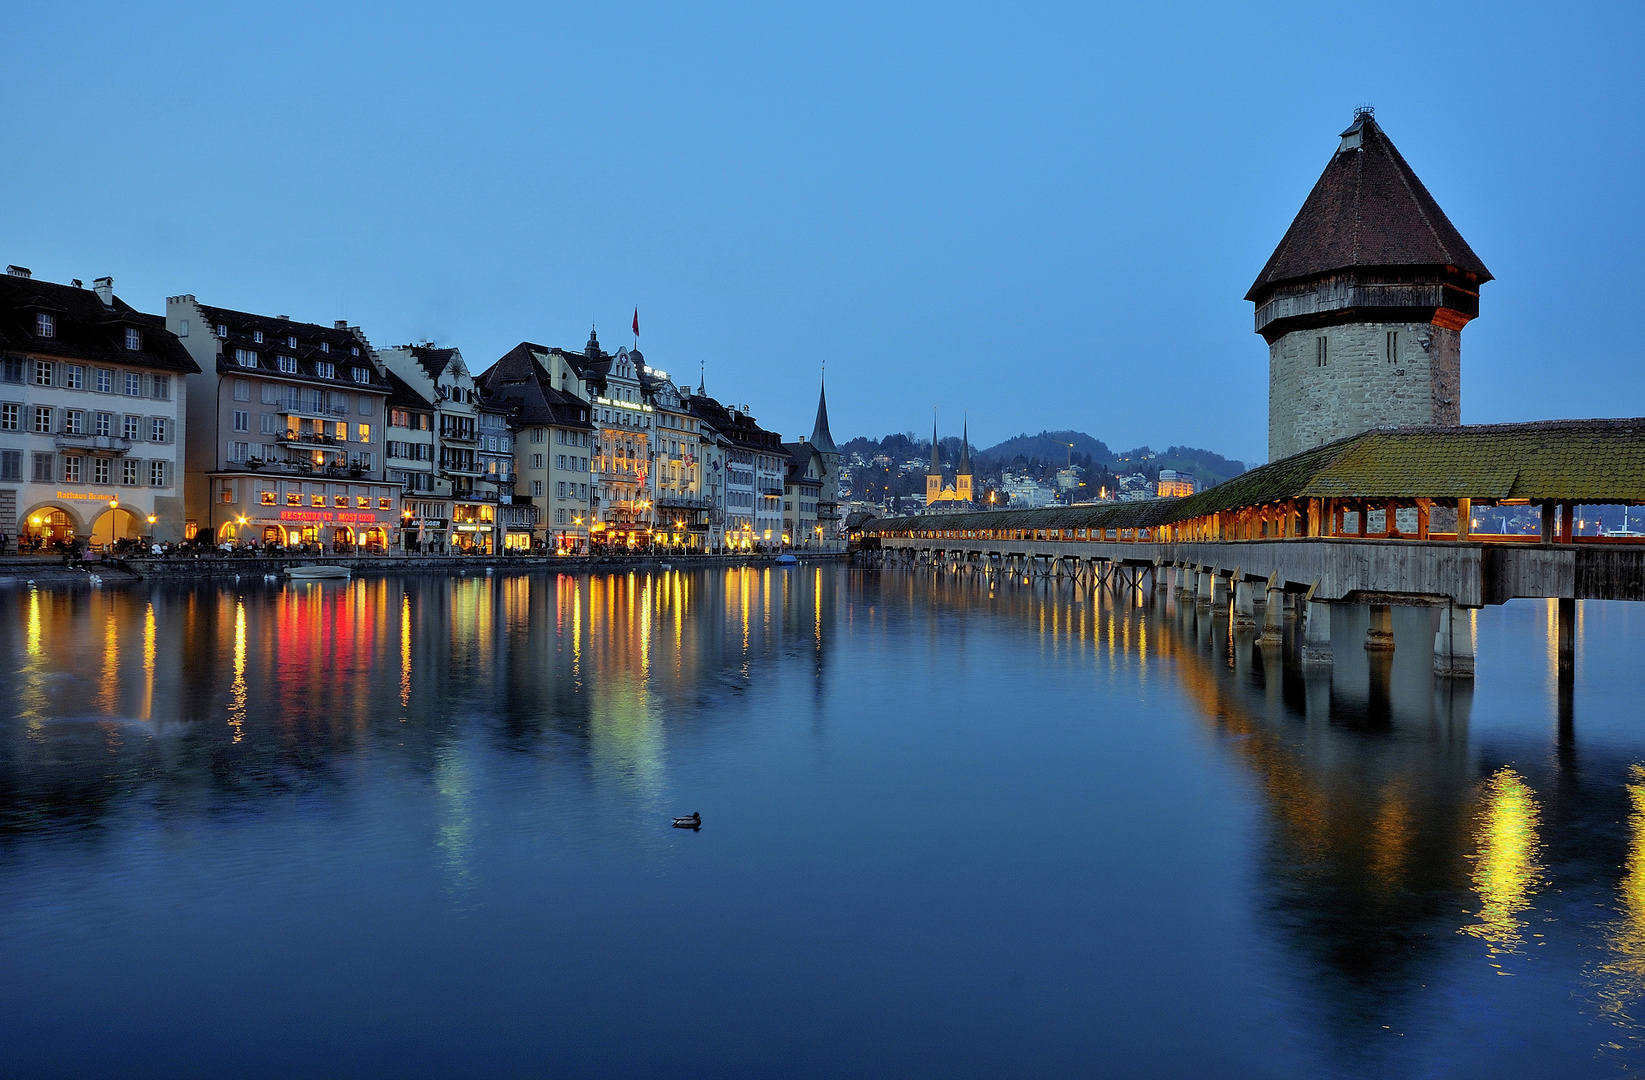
column 1384, row 517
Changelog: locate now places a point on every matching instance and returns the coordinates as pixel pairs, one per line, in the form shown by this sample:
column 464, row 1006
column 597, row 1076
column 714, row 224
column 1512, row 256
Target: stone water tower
column 1364, row 301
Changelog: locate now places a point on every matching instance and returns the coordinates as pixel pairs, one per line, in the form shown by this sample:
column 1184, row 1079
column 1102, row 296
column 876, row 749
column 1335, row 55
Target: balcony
column 684, row 500
column 302, row 410
column 458, row 435
column 463, row 468
column 108, row 444
column 309, row 438
column 771, row 487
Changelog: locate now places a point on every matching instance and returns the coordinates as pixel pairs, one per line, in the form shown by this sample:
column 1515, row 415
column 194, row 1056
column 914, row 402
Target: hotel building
column 92, row 409
column 286, row 424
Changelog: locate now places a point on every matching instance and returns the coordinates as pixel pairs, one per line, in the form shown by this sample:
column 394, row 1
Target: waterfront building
column 1363, row 302
column 957, row 496
column 684, row 509
column 473, row 449
column 755, row 468
column 92, row 416
column 553, row 436
column 409, row 453
column 286, row 430
column 802, row 495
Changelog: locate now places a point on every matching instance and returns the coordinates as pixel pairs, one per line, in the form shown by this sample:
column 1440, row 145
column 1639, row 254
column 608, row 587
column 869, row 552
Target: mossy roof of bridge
column 1579, row 461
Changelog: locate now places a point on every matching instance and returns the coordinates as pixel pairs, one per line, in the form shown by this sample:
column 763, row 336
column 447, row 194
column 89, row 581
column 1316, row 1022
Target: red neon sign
column 347, row 518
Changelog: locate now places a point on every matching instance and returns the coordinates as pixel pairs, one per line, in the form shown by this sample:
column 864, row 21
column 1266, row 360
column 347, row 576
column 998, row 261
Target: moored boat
column 316, row 572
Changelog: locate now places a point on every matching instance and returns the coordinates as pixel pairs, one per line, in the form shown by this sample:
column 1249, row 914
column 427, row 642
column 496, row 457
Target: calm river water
column 421, row 828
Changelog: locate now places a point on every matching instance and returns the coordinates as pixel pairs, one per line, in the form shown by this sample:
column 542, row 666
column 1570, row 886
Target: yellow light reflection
column 405, row 650
column 1622, row 983
column 237, row 691
column 1506, row 873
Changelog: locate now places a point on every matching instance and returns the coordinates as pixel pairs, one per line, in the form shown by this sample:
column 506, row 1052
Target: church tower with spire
column 822, row 441
column 962, row 478
column 933, row 475
column 1364, row 301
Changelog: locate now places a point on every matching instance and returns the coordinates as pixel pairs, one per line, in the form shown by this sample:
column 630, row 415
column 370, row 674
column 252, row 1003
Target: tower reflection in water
column 1400, row 847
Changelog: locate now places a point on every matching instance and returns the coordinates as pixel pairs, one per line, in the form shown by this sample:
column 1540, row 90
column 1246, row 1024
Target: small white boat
column 316, row 572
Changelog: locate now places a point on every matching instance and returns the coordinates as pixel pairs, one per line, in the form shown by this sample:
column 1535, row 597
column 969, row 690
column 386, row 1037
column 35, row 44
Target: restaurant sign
column 344, row 518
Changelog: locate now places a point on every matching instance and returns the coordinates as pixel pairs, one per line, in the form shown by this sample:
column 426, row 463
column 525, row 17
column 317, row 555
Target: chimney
column 340, row 324
column 78, row 284
column 19, row 271
column 104, row 287
column 283, row 318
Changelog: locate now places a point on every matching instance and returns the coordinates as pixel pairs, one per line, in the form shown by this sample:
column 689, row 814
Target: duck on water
column 695, row 821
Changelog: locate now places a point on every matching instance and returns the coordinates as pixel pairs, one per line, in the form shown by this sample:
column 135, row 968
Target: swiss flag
column 636, row 322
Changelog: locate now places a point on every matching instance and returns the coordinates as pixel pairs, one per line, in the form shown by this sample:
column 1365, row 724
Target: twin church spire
column 959, row 495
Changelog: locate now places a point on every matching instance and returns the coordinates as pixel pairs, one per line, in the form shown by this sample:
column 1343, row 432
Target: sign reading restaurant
column 326, row 515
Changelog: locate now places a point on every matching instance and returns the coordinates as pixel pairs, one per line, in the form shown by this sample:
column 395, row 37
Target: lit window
column 365, row 432
column 317, row 500
column 267, row 498
column 134, row 339
column 362, row 502
column 294, row 498
column 45, row 325
column 340, row 501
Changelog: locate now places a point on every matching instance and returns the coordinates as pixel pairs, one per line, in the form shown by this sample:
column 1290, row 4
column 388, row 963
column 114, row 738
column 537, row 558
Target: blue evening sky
column 1044, row 215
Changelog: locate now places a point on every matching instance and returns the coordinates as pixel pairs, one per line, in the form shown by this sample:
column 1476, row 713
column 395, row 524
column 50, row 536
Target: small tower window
column 1393, row 345
column 1322, row 354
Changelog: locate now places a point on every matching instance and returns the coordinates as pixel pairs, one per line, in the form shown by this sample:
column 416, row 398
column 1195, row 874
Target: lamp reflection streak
column 1622, row 978
column 1506, row 873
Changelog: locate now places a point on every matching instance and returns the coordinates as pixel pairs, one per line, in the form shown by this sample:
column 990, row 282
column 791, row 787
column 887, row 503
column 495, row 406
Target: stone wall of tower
column 1360, row 386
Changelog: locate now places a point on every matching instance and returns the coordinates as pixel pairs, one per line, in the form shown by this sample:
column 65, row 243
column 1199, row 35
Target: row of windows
column 79, row 469
column 341, row 502
column 564, row 490
column 45, row 420
column 304, row 399
column 242, row 451
column 76, row 377
column 407, row 419
column 45, row 326
column 251, row 358
column 410, row 451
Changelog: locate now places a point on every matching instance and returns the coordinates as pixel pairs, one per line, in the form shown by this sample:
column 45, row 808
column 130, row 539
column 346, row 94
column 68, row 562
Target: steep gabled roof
column 1367, row 209
column 820, row 437
column 402, row 396
column 519, row 382
column 84, row 329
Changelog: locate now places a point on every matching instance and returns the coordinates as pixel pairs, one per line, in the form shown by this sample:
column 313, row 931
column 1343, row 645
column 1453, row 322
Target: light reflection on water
column 980, row 826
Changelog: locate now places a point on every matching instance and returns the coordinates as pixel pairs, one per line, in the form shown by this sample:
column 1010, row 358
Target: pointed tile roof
column 936, row 465
column 1368, row 209
column 965, row 449
column 820, row 437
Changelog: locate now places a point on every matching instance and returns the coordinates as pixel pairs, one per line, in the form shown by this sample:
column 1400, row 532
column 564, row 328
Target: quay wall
column 217, row 566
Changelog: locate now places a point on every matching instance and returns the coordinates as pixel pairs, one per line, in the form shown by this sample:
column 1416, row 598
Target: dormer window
column 291, row 342
column 325, row 346
column 134, row 340
column 245, row 357
column 288, row 364
column 326, row 371
column 222, row 330
column 257, row 336
column 45, row 325
column 361, row 375
column 354, row 350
